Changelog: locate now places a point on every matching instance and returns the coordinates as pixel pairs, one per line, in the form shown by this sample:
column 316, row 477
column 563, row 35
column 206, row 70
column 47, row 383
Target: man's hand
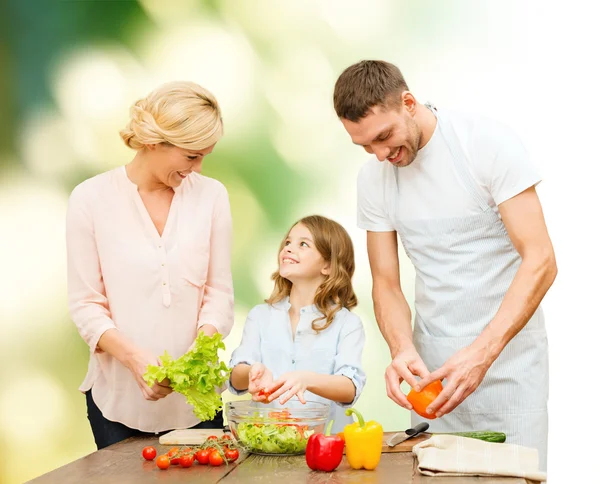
column 463, row 373
column 404, row 367
column 259, row 379
column 290, row 384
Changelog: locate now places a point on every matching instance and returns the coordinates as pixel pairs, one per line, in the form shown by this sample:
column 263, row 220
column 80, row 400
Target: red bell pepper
column 324, row 452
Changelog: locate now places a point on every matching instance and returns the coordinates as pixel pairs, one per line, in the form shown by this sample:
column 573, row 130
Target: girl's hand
column 137, row 364
column 294, row 383
column 259, row 378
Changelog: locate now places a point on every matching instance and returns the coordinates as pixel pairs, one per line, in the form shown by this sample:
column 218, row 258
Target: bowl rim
column 250, row 410
column 303, row 406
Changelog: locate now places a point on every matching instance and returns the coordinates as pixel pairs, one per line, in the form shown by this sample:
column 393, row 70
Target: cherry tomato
column 202, row 456
column 213, row 437
column 215, row 458
column 186, row 460
column 162, row 462
column 171, row 454
column 231, row 454
column 149, row 453
column 226, row 437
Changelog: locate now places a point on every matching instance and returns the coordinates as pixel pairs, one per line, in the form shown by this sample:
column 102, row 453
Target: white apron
column 464, row 267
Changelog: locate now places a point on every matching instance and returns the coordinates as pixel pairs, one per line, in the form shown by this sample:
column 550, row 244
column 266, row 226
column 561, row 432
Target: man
column 459, row 191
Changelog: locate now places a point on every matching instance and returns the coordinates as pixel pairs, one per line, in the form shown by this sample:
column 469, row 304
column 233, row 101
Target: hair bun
column 181, row 113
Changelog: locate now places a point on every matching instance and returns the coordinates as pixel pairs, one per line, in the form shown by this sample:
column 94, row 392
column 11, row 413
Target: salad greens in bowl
column 262, row 429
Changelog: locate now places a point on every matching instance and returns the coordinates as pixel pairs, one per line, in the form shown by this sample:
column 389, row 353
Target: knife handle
column 422, row 427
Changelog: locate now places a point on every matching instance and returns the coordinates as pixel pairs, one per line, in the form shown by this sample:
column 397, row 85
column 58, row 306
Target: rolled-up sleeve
column 248, row 351
column 217, row 305
column 348, row 360
column 87, row 300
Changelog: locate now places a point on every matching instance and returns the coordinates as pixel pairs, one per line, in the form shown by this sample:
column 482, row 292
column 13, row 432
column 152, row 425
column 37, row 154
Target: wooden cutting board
column 188, row 436
column 405, row 446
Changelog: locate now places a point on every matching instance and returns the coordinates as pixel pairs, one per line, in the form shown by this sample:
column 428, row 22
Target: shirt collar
column 285, row 305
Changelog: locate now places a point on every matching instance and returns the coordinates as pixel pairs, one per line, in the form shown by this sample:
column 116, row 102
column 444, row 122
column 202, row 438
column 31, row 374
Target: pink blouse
column 156, row 290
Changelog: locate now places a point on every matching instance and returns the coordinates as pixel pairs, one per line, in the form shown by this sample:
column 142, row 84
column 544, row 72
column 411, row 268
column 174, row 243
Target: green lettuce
column 197, row 374
column 273, row 438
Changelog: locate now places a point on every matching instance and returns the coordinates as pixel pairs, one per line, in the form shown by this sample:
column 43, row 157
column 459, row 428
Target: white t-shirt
column 429, row 188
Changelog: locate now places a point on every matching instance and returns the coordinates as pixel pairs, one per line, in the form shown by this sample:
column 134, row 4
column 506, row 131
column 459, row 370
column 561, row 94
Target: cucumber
column 486, row 435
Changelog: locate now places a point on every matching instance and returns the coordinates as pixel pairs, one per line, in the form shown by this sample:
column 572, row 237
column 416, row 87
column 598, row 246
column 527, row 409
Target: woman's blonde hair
column 335, row 246
column 182, row 114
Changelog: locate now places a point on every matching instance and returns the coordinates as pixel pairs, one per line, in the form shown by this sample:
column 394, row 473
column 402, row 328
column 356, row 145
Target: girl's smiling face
column 299, row 259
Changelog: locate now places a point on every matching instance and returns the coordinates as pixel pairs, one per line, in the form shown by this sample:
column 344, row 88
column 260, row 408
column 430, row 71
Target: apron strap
column 459, row 158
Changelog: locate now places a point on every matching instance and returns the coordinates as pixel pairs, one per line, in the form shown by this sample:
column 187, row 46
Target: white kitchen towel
column 450, row 455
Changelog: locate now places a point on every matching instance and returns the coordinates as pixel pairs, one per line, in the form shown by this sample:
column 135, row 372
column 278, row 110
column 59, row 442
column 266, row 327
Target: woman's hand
column 138, row 363
column 208, row 329
column 293, row 382
column 259, row 379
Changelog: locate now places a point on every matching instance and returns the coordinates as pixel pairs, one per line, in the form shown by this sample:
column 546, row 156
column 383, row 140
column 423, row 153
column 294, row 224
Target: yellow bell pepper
column 363, row 442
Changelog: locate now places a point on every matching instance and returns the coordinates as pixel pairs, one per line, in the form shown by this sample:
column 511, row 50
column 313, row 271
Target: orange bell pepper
column 421, row 400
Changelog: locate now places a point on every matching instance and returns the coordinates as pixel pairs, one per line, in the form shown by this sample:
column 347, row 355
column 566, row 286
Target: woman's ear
column 326, row 270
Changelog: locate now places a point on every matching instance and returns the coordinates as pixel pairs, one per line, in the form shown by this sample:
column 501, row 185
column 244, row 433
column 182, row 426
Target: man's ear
column 409, row 102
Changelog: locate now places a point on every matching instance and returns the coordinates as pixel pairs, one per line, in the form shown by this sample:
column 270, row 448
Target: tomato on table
column 173, row 455
column 202, row 456
column 163, row 462
column 231, row 454
column 186, row 460
column 215, row 458
column 149, row 453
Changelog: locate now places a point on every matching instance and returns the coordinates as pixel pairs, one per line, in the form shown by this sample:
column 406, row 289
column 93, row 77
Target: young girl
column 305, row 341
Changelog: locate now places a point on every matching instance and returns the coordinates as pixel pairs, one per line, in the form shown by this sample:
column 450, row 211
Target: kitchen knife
column 402, row 436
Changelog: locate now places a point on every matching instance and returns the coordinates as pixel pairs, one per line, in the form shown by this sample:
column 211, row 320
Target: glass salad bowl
column 264, row 429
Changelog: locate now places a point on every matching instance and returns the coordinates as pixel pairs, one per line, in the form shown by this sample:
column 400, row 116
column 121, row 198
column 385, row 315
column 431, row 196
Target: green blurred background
column 71, row 69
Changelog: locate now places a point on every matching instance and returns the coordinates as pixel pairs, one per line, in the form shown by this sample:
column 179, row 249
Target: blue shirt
column 337, row 350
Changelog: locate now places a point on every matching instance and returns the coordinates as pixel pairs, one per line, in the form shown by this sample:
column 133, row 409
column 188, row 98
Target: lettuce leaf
column 197, row 374
column 273, row 438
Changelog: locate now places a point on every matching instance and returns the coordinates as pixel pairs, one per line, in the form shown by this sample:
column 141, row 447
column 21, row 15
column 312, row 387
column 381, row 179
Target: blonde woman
column 149, row 262
column 304, row 341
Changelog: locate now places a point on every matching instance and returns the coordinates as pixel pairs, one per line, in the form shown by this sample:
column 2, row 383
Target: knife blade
column 409, row 433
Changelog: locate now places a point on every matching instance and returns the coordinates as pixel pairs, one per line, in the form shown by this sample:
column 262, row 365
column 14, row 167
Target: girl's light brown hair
column 335, row 246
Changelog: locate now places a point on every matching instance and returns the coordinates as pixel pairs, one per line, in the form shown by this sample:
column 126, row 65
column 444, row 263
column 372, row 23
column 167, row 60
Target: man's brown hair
column 366, row 84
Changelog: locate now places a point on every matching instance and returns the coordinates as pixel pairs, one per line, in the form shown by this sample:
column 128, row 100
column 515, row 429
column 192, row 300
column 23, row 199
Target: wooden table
column 122, row 463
